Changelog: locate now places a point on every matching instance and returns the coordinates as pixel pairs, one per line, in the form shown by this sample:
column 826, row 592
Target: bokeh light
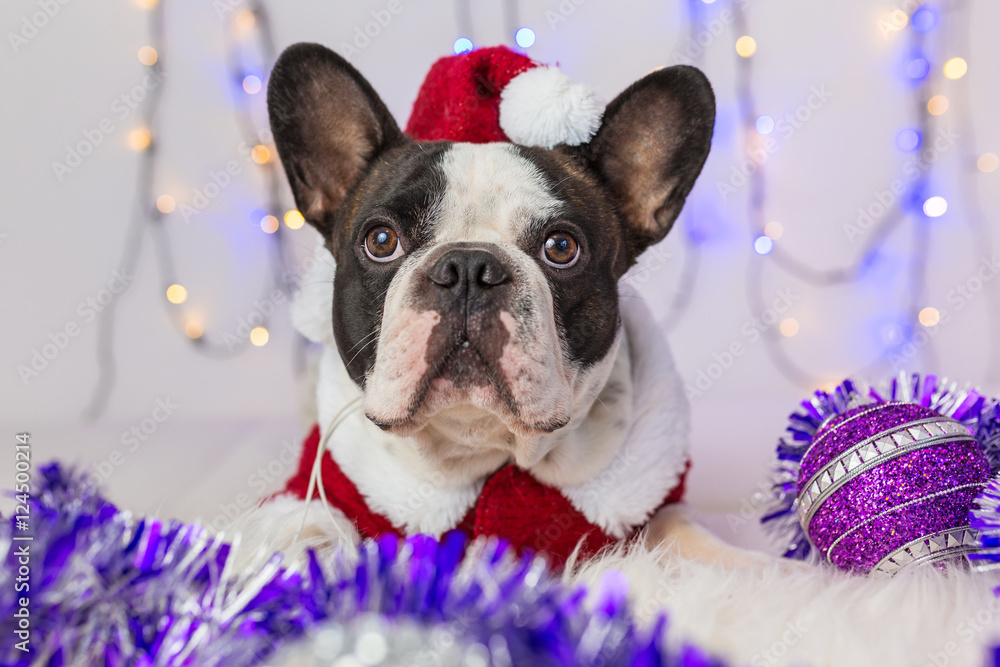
column 260, row 154
column 897, row 20
column 924, row 19
column 294, row 219
column 935, row 207
column 956, row 68
column 918, row 68
column 892, row 334
column 147, row 56
column 789, row 327
column 252, row 84
column 245, row 19
column 165, row 203
column 937, row 105
column 908, row 139
column 194, row 329
column 139, row 139
column 177, row 293
column 256, row 216
column 746, row 46
column 259, row 336
column 269, row 224
column 524, row 37
column 929, row 316
column 988, row 163
column 763, row 244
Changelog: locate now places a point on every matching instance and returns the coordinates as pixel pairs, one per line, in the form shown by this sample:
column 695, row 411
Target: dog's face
column 477, row 283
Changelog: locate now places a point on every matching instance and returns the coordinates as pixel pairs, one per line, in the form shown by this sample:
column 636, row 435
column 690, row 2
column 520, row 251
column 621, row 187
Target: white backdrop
column 62, row 234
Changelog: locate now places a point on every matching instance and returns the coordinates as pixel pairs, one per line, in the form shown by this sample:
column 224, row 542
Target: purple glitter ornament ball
column 877, row 477
column 888, row 485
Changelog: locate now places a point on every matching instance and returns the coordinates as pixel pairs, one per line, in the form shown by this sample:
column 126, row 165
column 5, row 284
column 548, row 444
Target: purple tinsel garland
column 985, row 516
column 968, row 406
column 112, row 589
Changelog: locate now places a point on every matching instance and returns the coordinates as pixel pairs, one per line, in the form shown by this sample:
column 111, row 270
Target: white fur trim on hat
column 544, row 107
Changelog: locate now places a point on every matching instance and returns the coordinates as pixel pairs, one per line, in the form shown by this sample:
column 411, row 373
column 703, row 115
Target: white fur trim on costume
column 274, row 526
column 544, row 107
column 783, row 614
column 312, row 305
column 650, row 462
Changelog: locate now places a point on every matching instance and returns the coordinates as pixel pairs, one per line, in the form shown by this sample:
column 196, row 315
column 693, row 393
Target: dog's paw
column 674, row 531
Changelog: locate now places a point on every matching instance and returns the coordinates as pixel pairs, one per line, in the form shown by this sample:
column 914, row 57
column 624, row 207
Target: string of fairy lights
column 917, row 207
column 249, row 48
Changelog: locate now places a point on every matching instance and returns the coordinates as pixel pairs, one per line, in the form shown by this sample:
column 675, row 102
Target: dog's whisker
column 366, row 338
column 360, row 351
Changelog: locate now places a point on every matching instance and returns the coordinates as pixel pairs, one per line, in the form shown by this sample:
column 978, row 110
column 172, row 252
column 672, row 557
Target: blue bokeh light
column 893, row 331
column 763, row 245
column 764, row 125
column 256, row 215
column 924, row 19
column 524, row 37
column 463, row 45
column 918, row 68
column 908, row 139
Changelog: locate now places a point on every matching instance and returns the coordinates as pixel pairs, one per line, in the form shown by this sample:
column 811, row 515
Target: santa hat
column 495, row 94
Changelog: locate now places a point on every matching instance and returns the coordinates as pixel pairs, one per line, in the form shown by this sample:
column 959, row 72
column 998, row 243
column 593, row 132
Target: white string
column 316, row 476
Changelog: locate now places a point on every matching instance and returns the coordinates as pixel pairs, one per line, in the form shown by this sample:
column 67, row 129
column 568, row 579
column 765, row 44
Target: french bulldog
column 475, row 315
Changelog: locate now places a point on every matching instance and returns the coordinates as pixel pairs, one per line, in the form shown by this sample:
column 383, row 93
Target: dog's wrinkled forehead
column 492, row 193
column 451, row 192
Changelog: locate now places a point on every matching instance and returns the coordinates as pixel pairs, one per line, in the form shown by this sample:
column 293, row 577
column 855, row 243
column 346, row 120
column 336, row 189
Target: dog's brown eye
column 382, row 244
column 560, row 250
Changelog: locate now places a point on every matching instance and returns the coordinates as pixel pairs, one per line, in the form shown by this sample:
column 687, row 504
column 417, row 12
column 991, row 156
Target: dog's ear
column 328, row 124
column 651, row 146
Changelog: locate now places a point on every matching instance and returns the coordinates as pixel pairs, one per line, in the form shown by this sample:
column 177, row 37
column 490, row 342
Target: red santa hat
column 495, row 94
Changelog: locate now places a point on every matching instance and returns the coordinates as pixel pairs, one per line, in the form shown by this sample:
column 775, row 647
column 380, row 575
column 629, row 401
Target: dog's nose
column 469, row 269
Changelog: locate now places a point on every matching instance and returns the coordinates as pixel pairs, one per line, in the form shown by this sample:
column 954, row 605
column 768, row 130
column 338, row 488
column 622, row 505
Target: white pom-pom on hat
column 544, row 107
